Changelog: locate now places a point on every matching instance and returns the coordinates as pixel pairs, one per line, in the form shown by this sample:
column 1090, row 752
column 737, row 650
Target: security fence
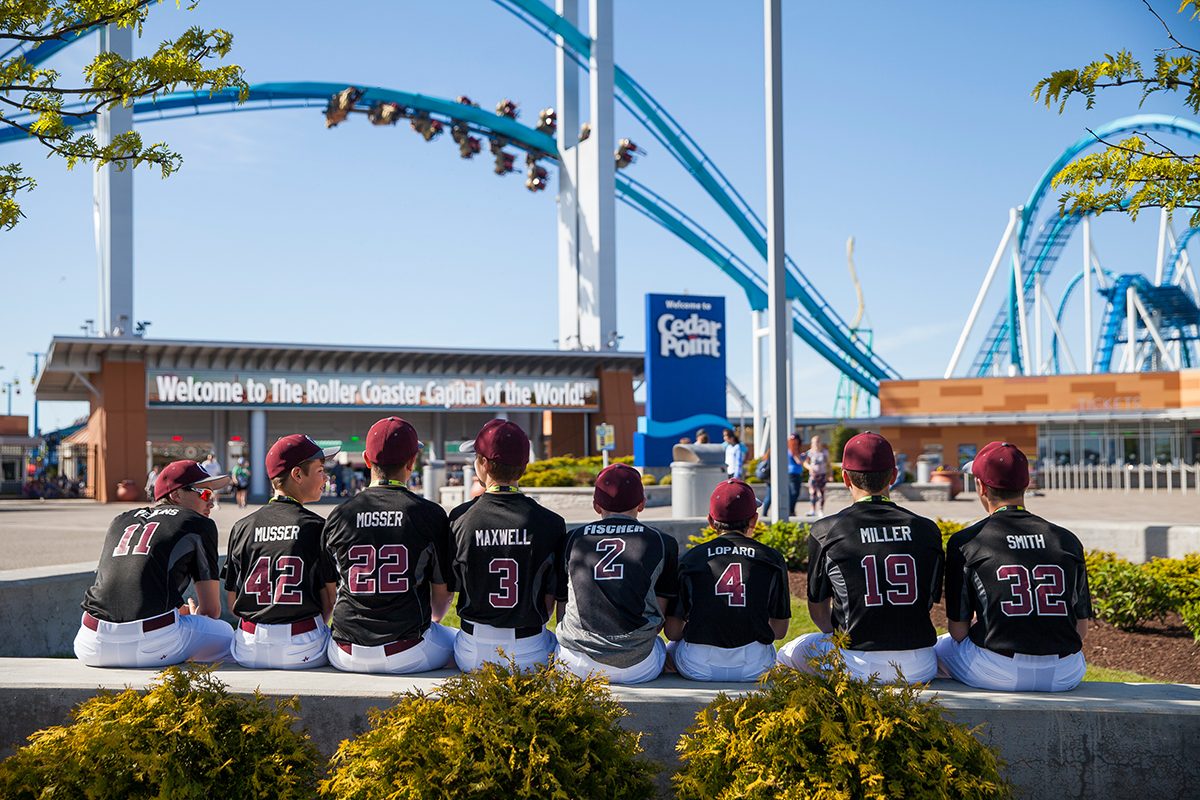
column 1119, row 477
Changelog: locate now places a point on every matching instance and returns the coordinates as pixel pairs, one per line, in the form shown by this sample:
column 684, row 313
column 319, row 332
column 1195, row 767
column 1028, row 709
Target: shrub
column 1126, row 594
column 497, row 732
column 1180, row 575
column 948, row 527
column 789, row 538
column 826, row 735
column 650, row 480
column 1191, row 617
column 837, row 442
column 549, row 477
column 666, row 480
column 584, row 478
column 186, row 737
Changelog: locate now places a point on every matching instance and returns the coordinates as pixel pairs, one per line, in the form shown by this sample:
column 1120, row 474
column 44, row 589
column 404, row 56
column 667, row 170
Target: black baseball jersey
column 388, row 546
column 276, row 564
column 610, row 575
column 150, row 556
column 729, row 589
column 1026, row 580
column 882, row 566
column 505, row 545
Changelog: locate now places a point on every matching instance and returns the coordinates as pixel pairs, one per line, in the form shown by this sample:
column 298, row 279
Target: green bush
column 578, row 471
column 789, row 538
column 187, row 737
column 1126, row 594
column 497, row 732
column 549, row 477
column 650, row 480
column 584, row 478
column 948, row 527
column 827, row 735
column 1180, row 575
column 837, row 442
column 666, row 480
column 1191, row 617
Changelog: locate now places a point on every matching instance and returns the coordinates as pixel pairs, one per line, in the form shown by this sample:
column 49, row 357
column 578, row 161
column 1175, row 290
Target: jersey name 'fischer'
column 503, row 536
column 612, row 530
column 276, row 533
column 896, row 533
column 378, row 519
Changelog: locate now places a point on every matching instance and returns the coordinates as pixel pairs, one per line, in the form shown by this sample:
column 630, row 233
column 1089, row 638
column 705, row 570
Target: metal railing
column 1119, row 477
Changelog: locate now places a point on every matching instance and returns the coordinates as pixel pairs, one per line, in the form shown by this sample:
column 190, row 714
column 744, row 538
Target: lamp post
column 777, row 308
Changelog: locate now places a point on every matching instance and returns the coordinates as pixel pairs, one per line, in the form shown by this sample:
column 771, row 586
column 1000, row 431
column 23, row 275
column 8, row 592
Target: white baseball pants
column 278, row 647
column 916, row 666
column 705, row 662
column 488, row 644
column 190, row 637
column 433, row 651
column 649, row 668
column 976, row 666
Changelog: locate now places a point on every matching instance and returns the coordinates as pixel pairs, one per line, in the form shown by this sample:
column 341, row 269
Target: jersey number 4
column 731, row 585
column 143, row 545
column 1051, row 581
column 289, row 572
column 901, row 572
column 392, row 560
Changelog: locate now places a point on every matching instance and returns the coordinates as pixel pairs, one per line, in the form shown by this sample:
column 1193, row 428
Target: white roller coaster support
column 1172, row 364
column 758, row 333
column 778, row 307
column 1087, row 296
column 1130, row 332
column 983, row 290
column 1037, row 324
column 1162, row 247
column 1062, row 340
column 1022, row 318
column 1099, row 270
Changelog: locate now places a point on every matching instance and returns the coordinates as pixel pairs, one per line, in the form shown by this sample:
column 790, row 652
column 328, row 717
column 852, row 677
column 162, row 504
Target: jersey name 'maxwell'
column 503, row 536
column 276, row 533
column 689, row 337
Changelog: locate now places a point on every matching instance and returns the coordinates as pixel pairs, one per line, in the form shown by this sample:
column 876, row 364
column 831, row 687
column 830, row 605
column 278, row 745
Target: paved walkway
column 36, row 534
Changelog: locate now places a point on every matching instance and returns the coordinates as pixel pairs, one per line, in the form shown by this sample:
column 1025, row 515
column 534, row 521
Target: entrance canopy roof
column 69, row 360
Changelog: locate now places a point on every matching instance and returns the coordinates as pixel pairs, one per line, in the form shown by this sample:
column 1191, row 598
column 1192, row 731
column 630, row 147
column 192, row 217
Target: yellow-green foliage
column 666, row 480
column 567, row 470
column 827, row 735
column 1126, row 594
column 187, row 737
column 948, row 527
column 649, row 480
column 499, row 732
column 789, row 538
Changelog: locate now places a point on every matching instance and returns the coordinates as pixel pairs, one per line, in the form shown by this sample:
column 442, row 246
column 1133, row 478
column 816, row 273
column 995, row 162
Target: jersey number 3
column 901, row 573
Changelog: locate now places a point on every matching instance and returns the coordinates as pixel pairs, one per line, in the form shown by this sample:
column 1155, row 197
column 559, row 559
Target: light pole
column 37, row 431
column 777, row 308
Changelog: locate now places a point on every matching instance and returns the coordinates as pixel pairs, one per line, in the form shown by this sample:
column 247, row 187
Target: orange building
column 1111, row 418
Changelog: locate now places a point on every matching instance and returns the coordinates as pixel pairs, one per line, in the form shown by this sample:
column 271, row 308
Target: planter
column 128, row 492
column 952, row 477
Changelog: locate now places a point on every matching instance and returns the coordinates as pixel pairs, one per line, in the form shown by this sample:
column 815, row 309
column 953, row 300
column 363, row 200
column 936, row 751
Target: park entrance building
column 156, row 401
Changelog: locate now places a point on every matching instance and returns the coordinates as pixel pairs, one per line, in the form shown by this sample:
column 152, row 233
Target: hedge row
column 1128, row 595
column 506, row 732
column 567, row 471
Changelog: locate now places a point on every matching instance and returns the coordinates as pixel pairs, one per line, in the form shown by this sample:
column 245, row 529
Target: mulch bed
column 1164, row 651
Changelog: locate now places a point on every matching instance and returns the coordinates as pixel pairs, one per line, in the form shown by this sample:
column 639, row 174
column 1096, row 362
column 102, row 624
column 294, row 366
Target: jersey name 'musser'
column 896, row 533
column 276, row 533
column 1027, row 541
column 693, row 336
column 502, row 536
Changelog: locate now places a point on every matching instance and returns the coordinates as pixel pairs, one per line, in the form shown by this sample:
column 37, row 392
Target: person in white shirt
column 735, row 456
column 212, row 467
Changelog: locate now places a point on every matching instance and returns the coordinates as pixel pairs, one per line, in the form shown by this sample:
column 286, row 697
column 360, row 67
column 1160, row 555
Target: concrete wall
column 1112, row 741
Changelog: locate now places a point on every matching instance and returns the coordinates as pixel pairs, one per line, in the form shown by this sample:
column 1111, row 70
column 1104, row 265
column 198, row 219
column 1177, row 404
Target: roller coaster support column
column 1022, row 321
column 777, row 308
column 758, row 333
column 1162, row 247
column 1005, row 240
column 567, row 104
column 1089, row 358
column 113, row 196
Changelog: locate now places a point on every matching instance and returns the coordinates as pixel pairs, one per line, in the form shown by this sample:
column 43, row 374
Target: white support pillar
column 983, row 290
column 760, row 441
column 1164, row 353
column 1162, row 248
column 1088, row 346
column 1061, row 340
column 1130, row 331
column 259, row 488
column 778, row 305
column 113, row 198
column 1019, row 280
column 567, row 108
column 1037, row 324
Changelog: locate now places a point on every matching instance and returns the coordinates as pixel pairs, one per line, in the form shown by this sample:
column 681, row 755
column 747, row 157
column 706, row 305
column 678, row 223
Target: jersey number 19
column 900, row 570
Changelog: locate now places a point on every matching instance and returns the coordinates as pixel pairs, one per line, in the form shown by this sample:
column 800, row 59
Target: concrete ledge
column 565, row 500
column 1138, row 542
column 1102, row 740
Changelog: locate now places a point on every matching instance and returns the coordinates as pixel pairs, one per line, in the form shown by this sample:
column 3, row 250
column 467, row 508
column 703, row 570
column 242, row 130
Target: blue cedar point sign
column 685, row 374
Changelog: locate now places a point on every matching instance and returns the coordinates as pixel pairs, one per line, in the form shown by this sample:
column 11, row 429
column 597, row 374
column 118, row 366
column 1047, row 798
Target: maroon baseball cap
column 500, row 440
column 391, row 441
column 181, row 474
column 868, row 452
column 1002, row 466
column 732, row 501
column 292, row 451
column 619, row 488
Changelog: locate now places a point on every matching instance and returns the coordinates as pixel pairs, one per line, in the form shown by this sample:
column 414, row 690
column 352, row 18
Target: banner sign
column 229, row 390
column 685, row 374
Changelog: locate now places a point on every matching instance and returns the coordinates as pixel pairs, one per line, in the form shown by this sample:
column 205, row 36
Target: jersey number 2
column 901, row 572
column 606, row 569
column 1051, row 582
column 290, row 572
column 143, row 545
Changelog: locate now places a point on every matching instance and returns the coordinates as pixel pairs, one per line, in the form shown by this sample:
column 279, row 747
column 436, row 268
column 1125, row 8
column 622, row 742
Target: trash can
column 433, row 478
column 696, row 469
column 924, row 469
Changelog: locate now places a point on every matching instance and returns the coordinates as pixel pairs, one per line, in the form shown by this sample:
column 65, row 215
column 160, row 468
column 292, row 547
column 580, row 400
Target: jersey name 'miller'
column 722, row 550
column 503, row 536
column 276, row 533
column 1029, row 541
column 896, row 533
column 378, row 519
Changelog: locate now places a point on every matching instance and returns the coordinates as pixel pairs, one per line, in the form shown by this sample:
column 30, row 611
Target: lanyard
column 1009, row 508
column 504, row 489
column 387, row 483
column 283, row 498
column 875, row 498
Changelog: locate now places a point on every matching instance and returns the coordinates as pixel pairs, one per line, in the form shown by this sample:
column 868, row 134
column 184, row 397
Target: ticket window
column 1162, row 449
column 1132, row 450
column 9, row 469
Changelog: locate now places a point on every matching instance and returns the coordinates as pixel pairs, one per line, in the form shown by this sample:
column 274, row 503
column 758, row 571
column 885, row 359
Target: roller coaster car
column 462, row 99
column 468, row 146
column 547, row 121
column 385, row 113
column 536, row 178
column 504, row 163
column 507, row 108
column 341, row 104
column 585, row 131
column 626, row 153
column 430, row 129
column 497, row 144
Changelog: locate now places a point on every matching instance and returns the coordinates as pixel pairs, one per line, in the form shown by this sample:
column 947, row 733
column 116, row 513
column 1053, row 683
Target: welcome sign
column 685, row 374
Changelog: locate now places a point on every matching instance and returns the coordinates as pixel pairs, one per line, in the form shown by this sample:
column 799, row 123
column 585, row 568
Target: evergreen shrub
column 1126, row 594
column 650, row 480
column 948, row 527
column 186, row 737
column 789, row 538
column 826, row 735
column 497, row 732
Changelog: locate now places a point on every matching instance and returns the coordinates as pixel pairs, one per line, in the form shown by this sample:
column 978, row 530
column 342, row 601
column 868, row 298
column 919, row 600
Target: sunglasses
column 205, row 494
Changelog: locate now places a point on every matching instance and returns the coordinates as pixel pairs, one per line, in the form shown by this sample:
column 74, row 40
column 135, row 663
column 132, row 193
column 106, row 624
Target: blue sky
column 907, row 125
